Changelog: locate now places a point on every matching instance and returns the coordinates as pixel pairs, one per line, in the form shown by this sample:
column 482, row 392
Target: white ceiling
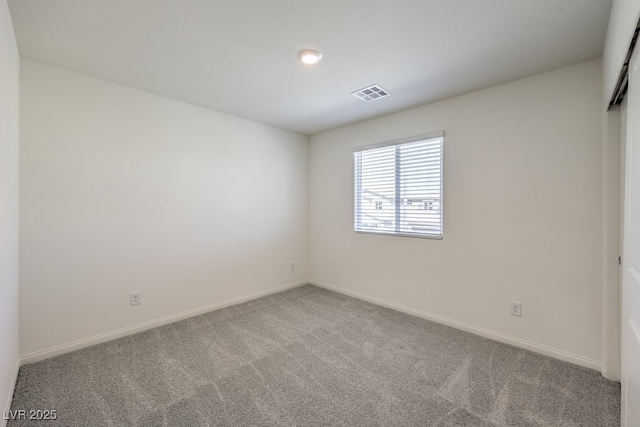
column 239, row 56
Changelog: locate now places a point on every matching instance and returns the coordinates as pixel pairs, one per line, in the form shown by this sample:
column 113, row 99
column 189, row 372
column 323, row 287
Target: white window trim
column 398, row 142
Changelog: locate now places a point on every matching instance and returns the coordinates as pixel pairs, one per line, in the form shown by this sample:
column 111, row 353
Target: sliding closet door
column 630, row 318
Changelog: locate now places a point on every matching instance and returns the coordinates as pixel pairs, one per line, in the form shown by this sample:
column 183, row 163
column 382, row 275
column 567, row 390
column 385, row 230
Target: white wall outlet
column 515, row 308
column 135, row 298
column 292, row 266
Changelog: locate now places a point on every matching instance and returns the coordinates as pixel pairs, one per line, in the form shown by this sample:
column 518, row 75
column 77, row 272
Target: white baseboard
column 496, row 336
column 108, row 336
column 7, row 405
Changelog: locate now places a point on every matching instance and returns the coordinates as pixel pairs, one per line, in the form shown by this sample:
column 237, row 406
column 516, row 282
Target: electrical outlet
column 292, row 266
column 515, row 308
column 135, row 298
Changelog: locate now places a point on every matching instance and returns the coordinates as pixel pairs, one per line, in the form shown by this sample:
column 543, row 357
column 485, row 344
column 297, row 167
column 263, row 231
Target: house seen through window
column 398, row 188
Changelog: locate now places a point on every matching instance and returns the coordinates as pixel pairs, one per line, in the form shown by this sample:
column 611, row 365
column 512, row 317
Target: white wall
column 622, row 24
column 9, row 83
column 126, row 191
column 523, row 215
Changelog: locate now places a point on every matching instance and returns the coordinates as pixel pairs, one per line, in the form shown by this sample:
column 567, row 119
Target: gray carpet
column 311, row 357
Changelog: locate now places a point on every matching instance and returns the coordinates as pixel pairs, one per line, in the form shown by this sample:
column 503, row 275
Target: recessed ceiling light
column 309, row 56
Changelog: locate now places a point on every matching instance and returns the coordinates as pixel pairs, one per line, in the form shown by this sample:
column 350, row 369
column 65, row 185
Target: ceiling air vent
column 371, row 93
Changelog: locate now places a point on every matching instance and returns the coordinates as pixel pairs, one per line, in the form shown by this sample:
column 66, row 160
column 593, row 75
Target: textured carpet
column 311, row 357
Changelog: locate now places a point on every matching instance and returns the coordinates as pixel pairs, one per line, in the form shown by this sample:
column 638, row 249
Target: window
column 398, row 188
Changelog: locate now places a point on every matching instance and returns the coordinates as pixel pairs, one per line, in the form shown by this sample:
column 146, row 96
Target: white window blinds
column 398, row 188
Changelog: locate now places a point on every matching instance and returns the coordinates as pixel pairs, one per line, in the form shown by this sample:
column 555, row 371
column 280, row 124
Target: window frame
column 397, row 142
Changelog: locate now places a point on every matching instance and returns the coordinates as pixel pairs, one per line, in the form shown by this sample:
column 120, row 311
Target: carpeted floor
column 311, row 357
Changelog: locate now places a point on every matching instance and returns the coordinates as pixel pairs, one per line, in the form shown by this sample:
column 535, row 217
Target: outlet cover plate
column 515, row 309
column 135, row 298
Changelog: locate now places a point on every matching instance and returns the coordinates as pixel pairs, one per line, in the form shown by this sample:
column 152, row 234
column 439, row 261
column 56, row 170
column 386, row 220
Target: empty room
column 319, row 213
